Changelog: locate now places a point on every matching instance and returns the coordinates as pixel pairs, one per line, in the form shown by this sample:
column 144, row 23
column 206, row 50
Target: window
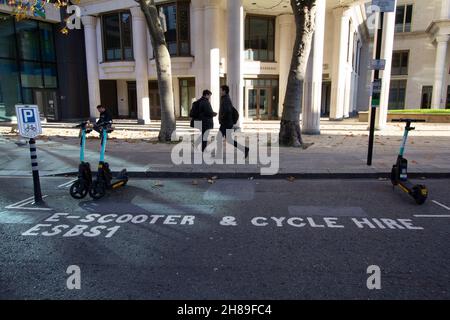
column 187, row 95
column 403, row 18
column 7, row 39
column 260, row 38
column 400, row 62
column 177, row 25
column 117, row 36
column 447, row 106
column 427, row 95
column 27, row 61
column 397, row 94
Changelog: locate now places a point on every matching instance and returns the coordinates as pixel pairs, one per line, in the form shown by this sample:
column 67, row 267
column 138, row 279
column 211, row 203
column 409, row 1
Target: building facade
column 248, row 45
column 39, row 65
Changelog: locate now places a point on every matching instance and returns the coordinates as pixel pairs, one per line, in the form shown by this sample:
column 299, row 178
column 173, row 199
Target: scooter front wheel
column 79, row 190
column 98, row 190
column 420, row 194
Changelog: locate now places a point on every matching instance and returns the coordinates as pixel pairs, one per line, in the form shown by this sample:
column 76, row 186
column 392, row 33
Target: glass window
column 127, row 36
column 260, row 38
column 400, row 62
column 47, row 42
column 9, row 87
column 448, row 98
column 187, row 96
column 427, row 95
column 397, row 95
column 118, row 38
column 177, row 22
column 28, row 35
column 403, row 18
column 31, row 75
column 7, row 37
column 50, row 76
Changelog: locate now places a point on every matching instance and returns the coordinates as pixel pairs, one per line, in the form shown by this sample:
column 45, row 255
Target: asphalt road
column 234, row 239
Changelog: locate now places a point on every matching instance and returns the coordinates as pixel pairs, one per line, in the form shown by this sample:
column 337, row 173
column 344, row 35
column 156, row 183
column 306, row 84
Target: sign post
column 29, row 125
column 377, row 65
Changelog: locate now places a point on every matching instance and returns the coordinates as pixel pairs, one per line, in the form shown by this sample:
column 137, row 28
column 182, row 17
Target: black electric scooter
column 81, row 187
column 399, row 173
column 104, row 180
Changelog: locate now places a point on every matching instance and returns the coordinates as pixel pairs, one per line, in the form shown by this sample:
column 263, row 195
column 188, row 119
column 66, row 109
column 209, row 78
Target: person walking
column 202, row 111
column 228, row 117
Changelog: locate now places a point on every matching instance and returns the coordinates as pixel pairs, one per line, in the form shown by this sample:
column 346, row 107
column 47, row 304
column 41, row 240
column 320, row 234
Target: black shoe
column 247, row 150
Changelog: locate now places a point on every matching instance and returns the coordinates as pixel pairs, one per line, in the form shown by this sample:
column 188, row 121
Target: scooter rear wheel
column 98, row 190
column 79, row 190
column 420, row 194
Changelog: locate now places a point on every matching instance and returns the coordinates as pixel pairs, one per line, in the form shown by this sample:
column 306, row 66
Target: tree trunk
column 164, row 69
column 305, row 15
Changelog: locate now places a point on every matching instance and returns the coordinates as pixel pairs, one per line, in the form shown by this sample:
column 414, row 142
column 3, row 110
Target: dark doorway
column 326, row 98
column 47, row 100
column 155, row 104
column 108, row 96
column 132, row 100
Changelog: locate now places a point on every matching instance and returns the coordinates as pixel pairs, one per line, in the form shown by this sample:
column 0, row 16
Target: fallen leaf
column 291, row 179
column 158, row 184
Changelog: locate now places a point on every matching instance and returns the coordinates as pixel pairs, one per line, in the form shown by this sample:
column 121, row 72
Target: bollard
column 35, row 169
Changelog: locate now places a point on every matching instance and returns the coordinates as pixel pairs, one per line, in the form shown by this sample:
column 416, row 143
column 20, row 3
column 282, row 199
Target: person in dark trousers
column 202, row 111
column 226, row 118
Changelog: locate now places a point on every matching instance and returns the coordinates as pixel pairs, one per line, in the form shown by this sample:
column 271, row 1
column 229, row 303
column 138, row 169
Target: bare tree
column 305, row 15
column 163, row 67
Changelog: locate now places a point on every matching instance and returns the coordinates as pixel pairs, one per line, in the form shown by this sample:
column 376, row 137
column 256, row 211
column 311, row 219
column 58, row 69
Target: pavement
column 340, row 151
column 229, row 239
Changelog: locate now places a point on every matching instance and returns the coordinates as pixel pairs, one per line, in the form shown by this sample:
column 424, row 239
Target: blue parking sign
column 28, row 116
column 28, row 121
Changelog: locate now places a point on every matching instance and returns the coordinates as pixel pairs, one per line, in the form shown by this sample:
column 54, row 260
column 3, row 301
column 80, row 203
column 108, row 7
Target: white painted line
column 441, row 205
column 20, row 205
column 12, row 206
column 431, row 216
column 64, row 185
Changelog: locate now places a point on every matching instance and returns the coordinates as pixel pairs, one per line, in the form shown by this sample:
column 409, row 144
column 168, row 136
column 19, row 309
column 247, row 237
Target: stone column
column 440, row 72
column 286, row 24
column 141, row 64
column 212, row 52
column 235, row 57
column 90, row 38
column 198, row 46
column 386, row 53
column 312, row 101
column 341, row 29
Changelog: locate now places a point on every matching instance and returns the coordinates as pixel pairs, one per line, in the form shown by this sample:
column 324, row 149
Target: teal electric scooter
column 399, row 173
column 81, row 187
column 105, row 180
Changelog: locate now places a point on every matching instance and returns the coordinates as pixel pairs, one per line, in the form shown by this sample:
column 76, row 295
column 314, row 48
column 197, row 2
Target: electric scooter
column 81, row 187
column 399, row 173
column 104, row 180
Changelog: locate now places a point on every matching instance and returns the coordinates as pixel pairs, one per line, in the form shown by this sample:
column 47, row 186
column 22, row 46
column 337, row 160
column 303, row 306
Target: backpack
column 235, row 115
column 194, row 113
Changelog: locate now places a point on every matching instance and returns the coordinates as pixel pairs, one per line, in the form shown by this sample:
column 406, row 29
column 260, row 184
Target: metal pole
column 377, row 96
column 35, row 169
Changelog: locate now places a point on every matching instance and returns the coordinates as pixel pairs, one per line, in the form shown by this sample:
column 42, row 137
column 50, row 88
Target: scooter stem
column 104, row 138
column 83, row 144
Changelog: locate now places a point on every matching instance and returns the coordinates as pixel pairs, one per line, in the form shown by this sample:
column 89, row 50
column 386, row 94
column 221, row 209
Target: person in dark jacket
column 202, row 111
column 105, row 118
column 226, row 118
